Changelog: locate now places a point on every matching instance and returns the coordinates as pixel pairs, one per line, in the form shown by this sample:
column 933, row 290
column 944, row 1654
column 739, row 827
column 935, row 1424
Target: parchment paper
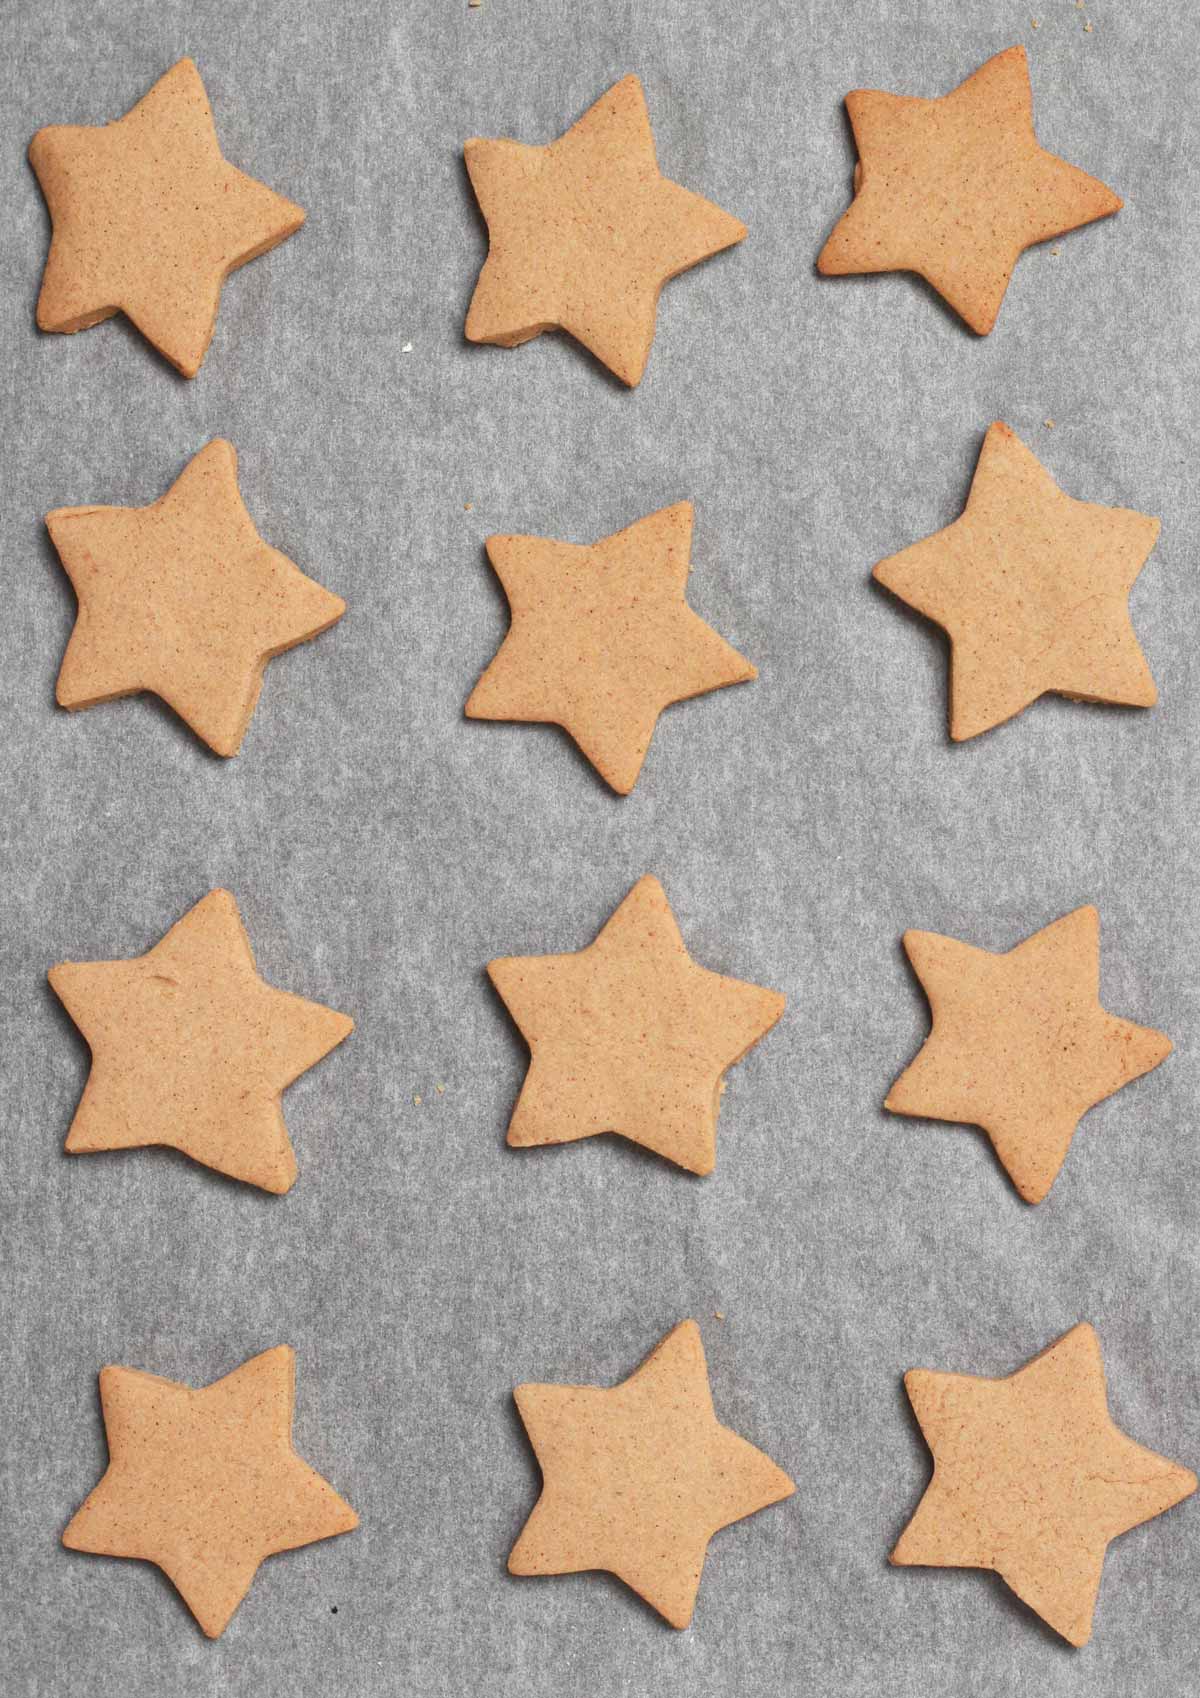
column 382, row 849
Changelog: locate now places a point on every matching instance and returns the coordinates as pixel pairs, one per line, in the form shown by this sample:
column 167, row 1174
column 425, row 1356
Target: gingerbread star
column 957, row 188
column 149, row 220
column 1032, row 1478
column 1020, row 1044
column 638, row 1477
column 602, row 639
column 1032, row 588
column 583, row 234
column 190, row 1048
column 630, row 1035
column 183, row 598
column 205, row 1484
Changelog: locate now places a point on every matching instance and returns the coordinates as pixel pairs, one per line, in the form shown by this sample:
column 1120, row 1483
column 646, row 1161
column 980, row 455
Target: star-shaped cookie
column 1032, row 588
column 190, row 1048
column 1032, row 1478
column 149, row 220
column 957, row 188
column 638, row 1477
column 630, row 1035
column 205, row 1483
column 1020, row 1044
column 183, row 598
column 602, row 639
column 583, row 234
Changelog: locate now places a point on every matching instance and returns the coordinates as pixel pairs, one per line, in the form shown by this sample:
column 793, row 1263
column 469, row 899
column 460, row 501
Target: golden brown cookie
column 149, row 220
column 183, row 598
column 602, row 639
column 1032, row 588
column 205, row 1483
column 957, row 188
column 638, row 1477
column 190, row 1048
column 1033, row 1478
column 583, row 234
column 630, row 1036
column 1020, row 1044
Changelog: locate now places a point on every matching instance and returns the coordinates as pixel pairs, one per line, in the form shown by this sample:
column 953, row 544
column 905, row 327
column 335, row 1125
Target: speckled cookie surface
column 583, row 233
column 149, row 219
column 630, row 1035
column 183, row 598
column 957, row 188
column 1034, row 1479
column 191, row 1049
column 602, row 639
column 1032, row 588
column 638, row 1477
column 1020, row 1044
column 205, row 1483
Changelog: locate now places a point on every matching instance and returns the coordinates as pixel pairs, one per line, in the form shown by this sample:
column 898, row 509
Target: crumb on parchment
column 440, row 1089
column 1049, row 423
column 718, row 1314
column 417, row 1102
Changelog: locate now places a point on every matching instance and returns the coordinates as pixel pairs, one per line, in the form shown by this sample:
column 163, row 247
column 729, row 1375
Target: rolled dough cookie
column 1032, row 588
column 957, row 188
column 1020, row 1044
column 1033, row 1479
column 630, row 1036
column 149, row 220
column 583, row 234
column 602, row 639
column 183, row 598
column 638, row 1477
column 205, row 1483
column 190, row 1048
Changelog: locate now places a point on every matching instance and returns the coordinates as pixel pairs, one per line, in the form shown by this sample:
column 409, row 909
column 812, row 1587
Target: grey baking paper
column 382, row 849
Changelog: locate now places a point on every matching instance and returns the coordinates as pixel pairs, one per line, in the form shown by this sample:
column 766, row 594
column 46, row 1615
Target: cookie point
column 1033, row 1190
column 627, row 84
